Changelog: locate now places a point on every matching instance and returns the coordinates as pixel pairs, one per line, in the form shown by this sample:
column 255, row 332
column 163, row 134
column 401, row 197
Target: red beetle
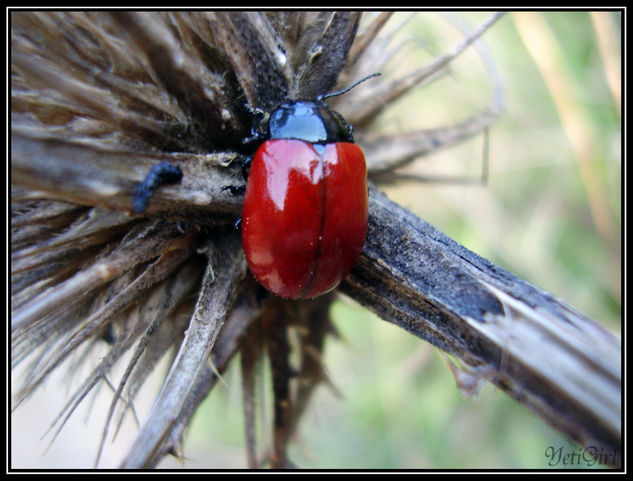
column 304, row 218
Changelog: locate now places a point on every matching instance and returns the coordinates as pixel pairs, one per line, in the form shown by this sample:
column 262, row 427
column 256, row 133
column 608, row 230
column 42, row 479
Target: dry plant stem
column 250, row 40
column 228, row 343
column 278, row 351
column 362, row 41
column 87, row 230
column 312, row 338
column 363, row 109
column 322, row 52
column 108, row 179
column 99, row 273
column 161, row 303
column 176, row 252
column 249, row 356
column 543, row 353
column 220, row 283
column 388, row 152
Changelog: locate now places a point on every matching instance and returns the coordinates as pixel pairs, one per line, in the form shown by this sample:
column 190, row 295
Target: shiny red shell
column 304, row 218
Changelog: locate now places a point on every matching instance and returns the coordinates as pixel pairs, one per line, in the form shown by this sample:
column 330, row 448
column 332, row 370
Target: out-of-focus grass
column 551, row 210
column 550, row 214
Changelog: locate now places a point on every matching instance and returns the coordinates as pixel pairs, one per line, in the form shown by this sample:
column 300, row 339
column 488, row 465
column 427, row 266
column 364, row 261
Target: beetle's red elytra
column 304, row 218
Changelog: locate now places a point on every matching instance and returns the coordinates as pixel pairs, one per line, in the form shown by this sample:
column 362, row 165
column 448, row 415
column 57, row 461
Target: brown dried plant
column 97, row 99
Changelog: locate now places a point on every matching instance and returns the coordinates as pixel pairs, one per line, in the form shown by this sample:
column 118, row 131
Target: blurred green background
column 550, row 214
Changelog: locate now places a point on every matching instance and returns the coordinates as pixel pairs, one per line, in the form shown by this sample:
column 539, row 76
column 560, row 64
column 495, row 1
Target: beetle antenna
column 340, row 92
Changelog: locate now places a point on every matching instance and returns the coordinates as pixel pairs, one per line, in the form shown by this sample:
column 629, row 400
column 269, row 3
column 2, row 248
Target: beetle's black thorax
column 311, row 121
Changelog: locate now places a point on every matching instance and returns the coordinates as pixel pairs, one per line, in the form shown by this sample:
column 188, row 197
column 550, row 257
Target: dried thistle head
column 97, row 99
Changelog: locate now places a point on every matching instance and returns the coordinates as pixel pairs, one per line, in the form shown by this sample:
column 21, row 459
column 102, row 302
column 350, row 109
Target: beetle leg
column 254, row 110
column 246, row 167
column 234, row 189
column 258, row 131
column 240, row 189
column 163, row 173
column 349, row 128
column 255, row 138
column 261, row 293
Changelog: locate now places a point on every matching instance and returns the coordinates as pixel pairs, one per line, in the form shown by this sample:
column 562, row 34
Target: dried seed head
column 98, row 98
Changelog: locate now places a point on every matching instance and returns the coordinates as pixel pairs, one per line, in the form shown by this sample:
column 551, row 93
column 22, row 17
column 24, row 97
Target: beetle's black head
column 311, row 121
